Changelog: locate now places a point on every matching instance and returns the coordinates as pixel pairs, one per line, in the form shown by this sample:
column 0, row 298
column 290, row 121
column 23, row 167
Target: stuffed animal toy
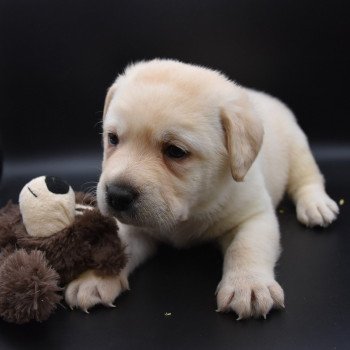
column 46, row 241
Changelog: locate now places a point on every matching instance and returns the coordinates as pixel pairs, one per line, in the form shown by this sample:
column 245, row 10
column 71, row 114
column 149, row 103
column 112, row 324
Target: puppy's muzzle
column 121, row 197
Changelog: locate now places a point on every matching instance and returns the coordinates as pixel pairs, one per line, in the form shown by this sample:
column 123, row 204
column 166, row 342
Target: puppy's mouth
column 133, row 217
column 148, row 210
column 128, row 217
column 144, row 216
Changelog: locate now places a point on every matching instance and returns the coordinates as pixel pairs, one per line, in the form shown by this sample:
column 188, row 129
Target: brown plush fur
column 91, row 242
column 28, row 287
column 10, row 218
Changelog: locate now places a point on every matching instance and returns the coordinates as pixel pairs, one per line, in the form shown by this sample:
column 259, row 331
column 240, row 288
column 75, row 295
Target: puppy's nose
column 121, row 197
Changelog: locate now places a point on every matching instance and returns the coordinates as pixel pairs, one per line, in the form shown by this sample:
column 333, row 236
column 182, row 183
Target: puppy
column 191, row 156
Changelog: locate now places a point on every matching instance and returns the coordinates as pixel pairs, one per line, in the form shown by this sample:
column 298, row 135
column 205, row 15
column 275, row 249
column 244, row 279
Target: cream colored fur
column 45, row 213
column 246, row 150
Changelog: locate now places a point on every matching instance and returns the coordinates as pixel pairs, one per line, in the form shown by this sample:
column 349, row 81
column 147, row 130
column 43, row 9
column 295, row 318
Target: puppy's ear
column 108, row 99
column 243, row 135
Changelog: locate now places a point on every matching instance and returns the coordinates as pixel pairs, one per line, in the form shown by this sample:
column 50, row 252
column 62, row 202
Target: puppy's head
column 173, row 135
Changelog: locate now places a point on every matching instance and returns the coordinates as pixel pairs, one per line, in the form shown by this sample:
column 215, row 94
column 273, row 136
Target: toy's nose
column 56, row 185
column 121, row 197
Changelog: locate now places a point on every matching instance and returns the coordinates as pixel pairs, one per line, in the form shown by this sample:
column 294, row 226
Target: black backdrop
column 58, row 58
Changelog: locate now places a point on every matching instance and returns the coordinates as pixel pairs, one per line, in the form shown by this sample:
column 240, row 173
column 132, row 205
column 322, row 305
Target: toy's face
column 47, row 205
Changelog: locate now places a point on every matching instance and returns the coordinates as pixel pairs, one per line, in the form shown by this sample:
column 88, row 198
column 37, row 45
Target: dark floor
column 313, row 270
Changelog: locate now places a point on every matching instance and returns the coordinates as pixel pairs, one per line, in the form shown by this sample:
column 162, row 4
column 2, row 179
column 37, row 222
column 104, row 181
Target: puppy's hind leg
column 306, row 185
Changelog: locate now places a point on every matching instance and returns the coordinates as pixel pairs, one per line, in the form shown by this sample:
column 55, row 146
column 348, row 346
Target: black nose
column 56, row 185
column 121, row 197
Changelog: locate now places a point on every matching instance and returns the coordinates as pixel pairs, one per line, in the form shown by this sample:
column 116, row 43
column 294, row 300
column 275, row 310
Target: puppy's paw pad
column 317, row 209
column 249, row 296
column 89, row 290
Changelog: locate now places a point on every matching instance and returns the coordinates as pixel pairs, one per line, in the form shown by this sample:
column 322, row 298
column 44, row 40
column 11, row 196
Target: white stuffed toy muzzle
column 47, row 205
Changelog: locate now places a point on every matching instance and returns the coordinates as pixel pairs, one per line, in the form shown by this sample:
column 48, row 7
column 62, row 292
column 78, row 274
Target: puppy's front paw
column 249, row 295
column 90, row 289
column 315, row 208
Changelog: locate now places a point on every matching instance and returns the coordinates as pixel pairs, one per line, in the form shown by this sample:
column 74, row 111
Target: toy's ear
column 108, row 99
column 243, row 137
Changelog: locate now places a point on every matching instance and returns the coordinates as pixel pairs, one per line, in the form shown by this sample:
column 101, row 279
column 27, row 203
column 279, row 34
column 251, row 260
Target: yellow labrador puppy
column 191, row 156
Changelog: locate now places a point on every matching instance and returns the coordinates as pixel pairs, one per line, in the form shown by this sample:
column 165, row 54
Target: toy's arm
column 91, row 242
column 90, row 289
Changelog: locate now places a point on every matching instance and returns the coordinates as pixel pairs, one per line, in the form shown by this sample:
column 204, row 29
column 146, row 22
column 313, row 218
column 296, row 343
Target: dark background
column 58, row 57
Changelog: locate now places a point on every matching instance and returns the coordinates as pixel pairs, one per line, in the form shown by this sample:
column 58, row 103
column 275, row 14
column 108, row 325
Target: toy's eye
column 173, row 151
column 30, row 190
column 113, row 139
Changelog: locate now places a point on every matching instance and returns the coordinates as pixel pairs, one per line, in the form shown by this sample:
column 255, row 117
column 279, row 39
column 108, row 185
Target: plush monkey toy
column 48, row 240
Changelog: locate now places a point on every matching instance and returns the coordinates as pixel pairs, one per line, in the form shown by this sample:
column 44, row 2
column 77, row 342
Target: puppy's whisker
column 100, row 122
column 90, row 191
column 89, row 182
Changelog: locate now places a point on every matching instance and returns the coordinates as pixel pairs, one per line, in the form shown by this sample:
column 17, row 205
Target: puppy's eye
column 172, row 151
column 113, row 139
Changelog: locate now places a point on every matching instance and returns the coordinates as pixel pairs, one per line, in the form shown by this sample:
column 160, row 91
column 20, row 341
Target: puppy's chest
column 187, row 233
